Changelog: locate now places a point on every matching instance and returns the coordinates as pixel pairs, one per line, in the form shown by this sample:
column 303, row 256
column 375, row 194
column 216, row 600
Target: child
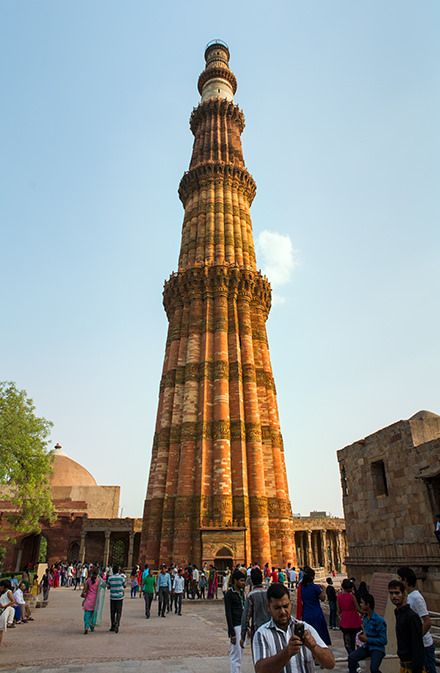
column 134, row 586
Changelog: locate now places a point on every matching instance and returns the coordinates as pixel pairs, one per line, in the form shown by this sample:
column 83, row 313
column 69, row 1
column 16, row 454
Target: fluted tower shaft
column 217, row 475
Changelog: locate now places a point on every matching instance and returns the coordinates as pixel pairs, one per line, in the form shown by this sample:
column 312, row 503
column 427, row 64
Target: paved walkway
column 194, row 643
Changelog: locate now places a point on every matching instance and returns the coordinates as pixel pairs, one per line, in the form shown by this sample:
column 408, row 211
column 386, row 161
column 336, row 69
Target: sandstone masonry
column 217, row 489
column 391, row 494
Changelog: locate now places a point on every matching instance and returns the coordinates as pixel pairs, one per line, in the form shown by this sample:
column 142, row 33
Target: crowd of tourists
column 169, row 586
column 282, row 643
column 16, row 594
column 258, row 607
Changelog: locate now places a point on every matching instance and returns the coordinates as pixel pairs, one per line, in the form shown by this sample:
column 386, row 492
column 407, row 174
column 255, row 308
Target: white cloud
column 277, row 299
column 278, row 259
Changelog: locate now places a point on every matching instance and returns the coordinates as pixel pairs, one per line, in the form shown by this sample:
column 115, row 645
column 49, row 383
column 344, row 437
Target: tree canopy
column 25, row 461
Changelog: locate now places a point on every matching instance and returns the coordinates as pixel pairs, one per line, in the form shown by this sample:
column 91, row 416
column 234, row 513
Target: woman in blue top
column 311, row 595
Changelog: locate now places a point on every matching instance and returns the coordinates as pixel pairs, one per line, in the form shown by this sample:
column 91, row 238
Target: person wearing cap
column 234, row 604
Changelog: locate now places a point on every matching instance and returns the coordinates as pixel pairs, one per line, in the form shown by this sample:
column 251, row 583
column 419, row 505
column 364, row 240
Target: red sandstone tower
column 217, row 489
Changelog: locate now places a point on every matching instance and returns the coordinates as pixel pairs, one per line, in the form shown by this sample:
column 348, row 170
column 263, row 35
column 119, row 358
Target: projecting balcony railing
column 217, row 41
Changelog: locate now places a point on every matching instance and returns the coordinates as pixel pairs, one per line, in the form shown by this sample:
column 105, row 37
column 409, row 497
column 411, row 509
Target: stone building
column 80, row 533
column 320, row 541
column 71, row 482
column 391, row 494
column 217, row 488
column 78, row 502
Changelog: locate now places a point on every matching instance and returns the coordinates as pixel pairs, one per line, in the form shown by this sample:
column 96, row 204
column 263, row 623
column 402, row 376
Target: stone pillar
column 340, row 550
column 304, row 548
column 328, row 550
column 19, row 556
column 309, row 548
column 299, row 553
column 82, row 547
column 315, row 548
column 335, row 551
column 107, row 547
column 323, row 548
column 332, row 550
column 130, row 549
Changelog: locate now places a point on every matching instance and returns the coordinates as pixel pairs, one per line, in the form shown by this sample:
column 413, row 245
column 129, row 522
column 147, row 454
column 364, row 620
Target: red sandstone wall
column 218, row 457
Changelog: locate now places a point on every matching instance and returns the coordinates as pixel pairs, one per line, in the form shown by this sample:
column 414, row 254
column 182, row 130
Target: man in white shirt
column 284, row 645
column 195, row 582
column 25, row 612
column 417, row 603
column 179, row 585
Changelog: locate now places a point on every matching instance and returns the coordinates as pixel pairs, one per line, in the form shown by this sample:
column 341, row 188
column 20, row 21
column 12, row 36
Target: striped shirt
column 116, row 584
column 270, row 640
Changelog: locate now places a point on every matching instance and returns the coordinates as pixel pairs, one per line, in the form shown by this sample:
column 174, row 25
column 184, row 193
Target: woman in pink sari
column 90, row 594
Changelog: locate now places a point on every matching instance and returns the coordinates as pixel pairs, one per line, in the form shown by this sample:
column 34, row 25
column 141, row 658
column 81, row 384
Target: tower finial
column 217, row 80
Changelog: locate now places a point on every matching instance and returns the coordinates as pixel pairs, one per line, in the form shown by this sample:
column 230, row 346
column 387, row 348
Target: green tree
column 25, row 461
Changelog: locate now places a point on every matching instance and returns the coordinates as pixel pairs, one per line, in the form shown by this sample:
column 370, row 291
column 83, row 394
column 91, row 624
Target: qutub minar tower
column 217, row 489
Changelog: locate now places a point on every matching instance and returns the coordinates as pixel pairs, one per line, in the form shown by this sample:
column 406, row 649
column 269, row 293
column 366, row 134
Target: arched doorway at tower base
column 223, row 547
column 224, row 559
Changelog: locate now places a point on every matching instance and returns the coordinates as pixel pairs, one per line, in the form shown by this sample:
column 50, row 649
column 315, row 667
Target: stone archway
column 224, row 558
column 33, row 549
column 28, row 552
column 73, row 554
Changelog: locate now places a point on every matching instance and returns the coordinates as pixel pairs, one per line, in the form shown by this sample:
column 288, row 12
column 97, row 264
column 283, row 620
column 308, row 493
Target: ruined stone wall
column 388, row 509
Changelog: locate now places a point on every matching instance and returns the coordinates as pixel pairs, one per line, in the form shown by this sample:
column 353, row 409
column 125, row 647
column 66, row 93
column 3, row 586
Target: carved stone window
column 379, row 475
column 118, row 553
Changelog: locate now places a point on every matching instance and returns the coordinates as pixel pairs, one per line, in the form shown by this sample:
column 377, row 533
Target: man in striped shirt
column 276, row 648
column 116, row 584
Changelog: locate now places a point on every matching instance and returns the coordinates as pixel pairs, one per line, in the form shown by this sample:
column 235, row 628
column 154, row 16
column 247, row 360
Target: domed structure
column 67, row 472
column 423, row 415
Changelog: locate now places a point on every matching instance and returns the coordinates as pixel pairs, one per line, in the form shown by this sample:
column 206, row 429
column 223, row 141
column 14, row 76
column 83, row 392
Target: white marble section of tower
column 219, row 85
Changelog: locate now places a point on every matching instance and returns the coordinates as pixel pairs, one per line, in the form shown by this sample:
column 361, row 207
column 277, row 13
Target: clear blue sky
column 342, row 106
